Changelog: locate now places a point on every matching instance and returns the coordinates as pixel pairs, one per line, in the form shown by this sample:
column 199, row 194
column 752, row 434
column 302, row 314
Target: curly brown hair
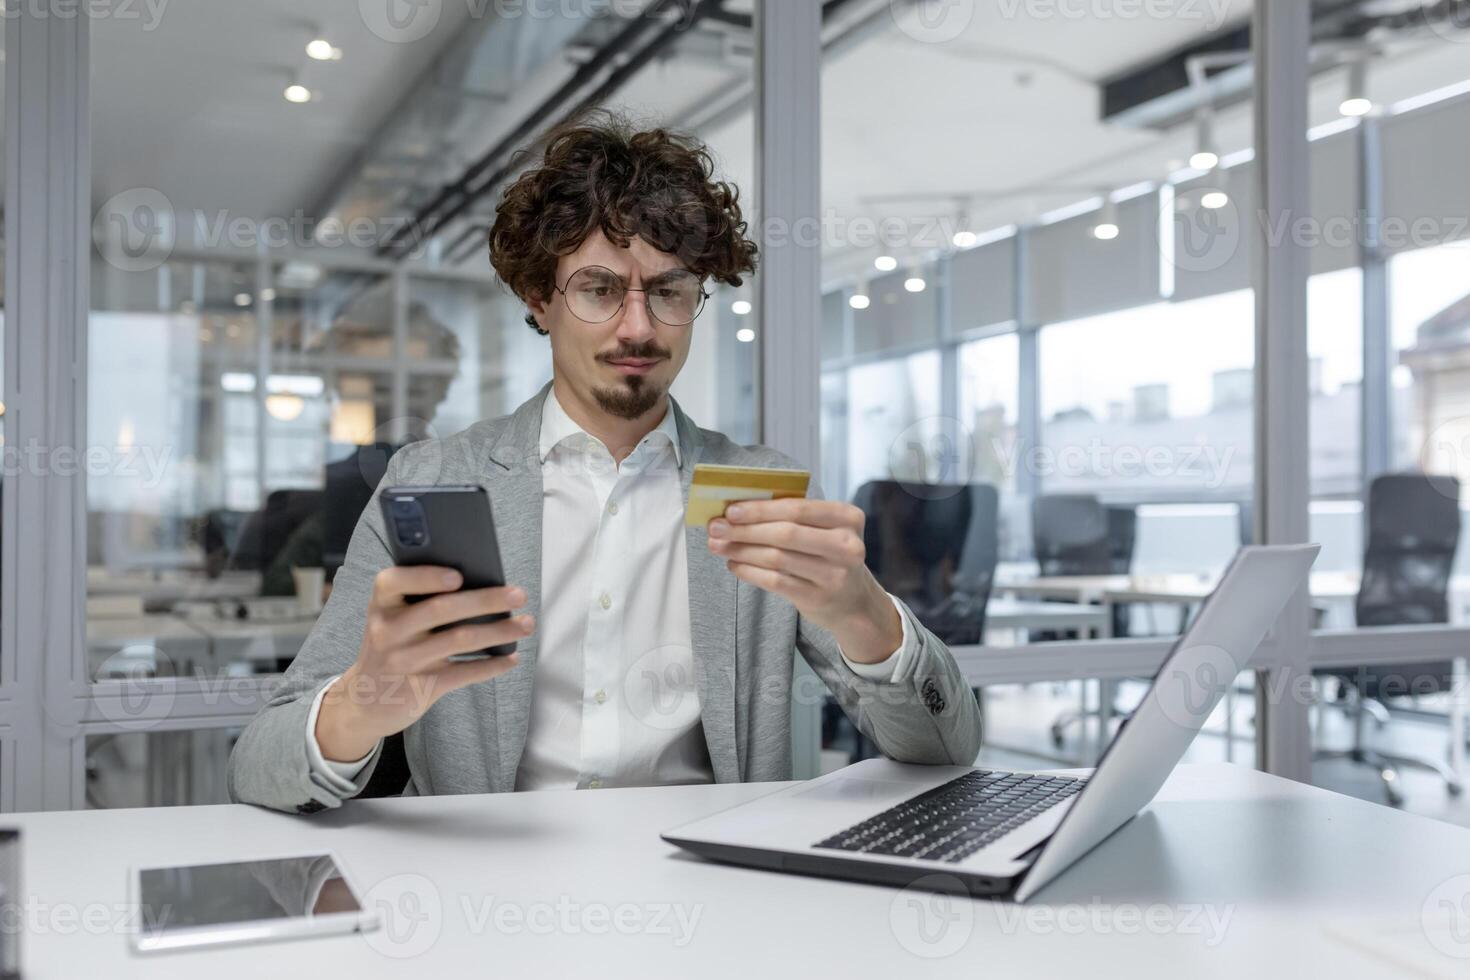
column 600, row 171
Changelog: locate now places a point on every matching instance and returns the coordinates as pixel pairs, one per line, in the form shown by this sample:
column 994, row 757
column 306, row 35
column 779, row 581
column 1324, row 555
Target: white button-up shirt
column 614, row 702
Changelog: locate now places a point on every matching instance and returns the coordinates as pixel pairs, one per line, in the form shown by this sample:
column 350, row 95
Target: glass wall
column 282, row 298
column 1063, row 326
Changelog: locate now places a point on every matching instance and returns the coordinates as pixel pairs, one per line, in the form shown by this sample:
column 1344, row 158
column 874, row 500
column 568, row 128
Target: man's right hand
column 403, row 667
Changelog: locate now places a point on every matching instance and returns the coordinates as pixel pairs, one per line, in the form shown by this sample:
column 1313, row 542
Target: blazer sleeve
column 925, row 713
column 269, row 765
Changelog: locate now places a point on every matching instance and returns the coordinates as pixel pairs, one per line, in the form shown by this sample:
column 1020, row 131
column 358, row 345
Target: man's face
column 625, row 365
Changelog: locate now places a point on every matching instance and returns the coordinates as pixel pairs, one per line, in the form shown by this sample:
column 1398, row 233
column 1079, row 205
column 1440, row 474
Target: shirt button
column 612, row 509
column 600, row 697
column 594, row 784
column 605, row 601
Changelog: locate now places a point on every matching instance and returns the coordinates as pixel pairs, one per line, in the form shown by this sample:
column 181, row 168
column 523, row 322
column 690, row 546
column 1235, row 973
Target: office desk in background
column 1232, row 873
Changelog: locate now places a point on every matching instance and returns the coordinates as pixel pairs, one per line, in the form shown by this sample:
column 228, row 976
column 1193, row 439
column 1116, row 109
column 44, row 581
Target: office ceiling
column 1008, row 110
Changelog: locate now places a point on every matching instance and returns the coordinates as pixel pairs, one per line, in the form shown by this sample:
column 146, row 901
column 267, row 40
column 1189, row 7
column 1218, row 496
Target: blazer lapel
column 515, row 496
column 712, row 623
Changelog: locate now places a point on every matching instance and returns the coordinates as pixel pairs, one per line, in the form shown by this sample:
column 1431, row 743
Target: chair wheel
column 1391, row 789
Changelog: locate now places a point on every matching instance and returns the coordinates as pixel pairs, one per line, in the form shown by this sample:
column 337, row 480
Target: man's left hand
column 810, row 552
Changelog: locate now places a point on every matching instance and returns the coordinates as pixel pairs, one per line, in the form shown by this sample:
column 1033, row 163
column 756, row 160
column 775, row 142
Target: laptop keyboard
column 954, row 820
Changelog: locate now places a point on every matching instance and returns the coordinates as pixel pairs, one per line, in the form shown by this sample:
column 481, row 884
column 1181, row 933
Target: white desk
column 1004, row 612
column 1291, row 866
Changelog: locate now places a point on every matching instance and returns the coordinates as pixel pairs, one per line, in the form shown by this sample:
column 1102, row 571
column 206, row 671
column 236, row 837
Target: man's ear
column 538, row 308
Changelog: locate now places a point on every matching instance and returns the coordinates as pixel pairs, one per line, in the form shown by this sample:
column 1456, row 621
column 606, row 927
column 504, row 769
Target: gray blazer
column 471, row 740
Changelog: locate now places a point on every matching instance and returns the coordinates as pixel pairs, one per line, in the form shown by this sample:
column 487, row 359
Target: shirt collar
column 557, row 427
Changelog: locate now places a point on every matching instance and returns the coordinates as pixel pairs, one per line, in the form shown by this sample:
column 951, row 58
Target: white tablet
column 245, row 902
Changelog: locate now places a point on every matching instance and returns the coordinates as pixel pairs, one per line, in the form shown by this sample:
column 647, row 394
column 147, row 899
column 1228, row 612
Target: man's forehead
column 637, row 256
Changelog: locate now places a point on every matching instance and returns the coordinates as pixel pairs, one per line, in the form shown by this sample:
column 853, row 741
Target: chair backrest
column 1122, row 533
column 1070, row 535
column 264, row 533
column 1413, row 529
column 935, row 546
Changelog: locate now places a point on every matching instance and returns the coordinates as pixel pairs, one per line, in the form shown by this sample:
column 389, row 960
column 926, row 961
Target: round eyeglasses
column 596, row 295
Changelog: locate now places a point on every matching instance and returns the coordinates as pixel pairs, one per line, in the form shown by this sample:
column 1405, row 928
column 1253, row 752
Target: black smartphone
column 450, row 526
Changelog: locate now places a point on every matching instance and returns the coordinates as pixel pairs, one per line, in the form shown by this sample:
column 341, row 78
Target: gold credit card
column 716, row 487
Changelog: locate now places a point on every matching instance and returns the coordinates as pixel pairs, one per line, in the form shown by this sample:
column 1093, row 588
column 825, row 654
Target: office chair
column 1413, row 529
column 264, row 533
column 390, row 776
column 934, row 546
column 1074, row 534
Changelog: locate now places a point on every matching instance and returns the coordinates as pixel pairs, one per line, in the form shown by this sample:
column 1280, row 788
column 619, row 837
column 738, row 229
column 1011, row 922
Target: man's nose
column 635, row 325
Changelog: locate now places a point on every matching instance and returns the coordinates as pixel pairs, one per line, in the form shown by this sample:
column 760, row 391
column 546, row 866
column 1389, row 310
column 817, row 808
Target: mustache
column 644, row 352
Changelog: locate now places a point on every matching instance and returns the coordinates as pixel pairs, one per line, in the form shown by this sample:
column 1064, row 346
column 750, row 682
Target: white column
column 788, row 47
column 1281, row 32
column 48, row 228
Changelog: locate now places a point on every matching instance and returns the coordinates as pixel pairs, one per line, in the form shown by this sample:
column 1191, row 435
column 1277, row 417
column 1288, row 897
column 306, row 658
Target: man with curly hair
column 649, row 653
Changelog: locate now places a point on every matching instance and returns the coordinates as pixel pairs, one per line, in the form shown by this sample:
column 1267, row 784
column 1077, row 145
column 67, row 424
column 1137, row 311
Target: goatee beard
column 631, row 401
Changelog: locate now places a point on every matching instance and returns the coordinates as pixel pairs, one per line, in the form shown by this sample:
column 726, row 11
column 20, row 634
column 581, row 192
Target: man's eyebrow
column 676, row 271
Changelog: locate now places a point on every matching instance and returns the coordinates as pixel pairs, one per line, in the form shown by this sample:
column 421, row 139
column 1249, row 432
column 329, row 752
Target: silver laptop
column 1002, row 832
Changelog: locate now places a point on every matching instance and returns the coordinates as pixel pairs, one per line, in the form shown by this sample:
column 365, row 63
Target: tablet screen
column 211, row 903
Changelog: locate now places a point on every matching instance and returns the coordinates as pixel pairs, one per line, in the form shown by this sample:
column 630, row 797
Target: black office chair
column 1412, row 532
column 264, row 533
column 934, row 546
column 390, row 776
column 1069, row 534
column 1075, row 534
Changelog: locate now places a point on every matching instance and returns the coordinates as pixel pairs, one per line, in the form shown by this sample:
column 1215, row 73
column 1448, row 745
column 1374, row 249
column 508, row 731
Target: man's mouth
column 633, row 365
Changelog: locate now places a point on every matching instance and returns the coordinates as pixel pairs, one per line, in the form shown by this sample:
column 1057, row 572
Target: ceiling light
column 297, row 93
column 1357, row 104
column 965, row 239
column 745, row 335
column 242, row 299
column 741, row 307
column 859, row 301
column 1205, row 160
column 320, row 49
column 885, row 263
column 1106, row 228
column 284, row 408
column 1214, row 200
column 915, row 284
column 237, row 381
column 267, row 294
column 1205, row 156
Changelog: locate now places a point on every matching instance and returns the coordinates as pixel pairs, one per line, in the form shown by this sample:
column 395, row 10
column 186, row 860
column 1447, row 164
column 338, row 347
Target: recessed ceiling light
column 320, row 49
column 1356, row 107
column 1105, row 232
column 297, row 93
column 242, row 299
column 885, row 263
column 741, row 307
column 1205, row 160
column 914, row 284
column 745, row 335
column 965, row 239
column 1214, row 200
column 859, row 301
column 267, row 294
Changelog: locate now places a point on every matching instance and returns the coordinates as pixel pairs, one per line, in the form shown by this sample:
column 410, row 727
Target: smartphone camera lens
column 409, row 523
